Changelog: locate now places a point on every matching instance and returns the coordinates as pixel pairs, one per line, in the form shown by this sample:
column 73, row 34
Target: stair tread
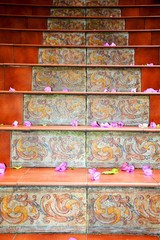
column 77, row 177
column 77, row 236
column 78, row 128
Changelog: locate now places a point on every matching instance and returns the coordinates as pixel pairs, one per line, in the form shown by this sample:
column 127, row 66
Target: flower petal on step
column 11, row 89
column 153, row 125
column 62, row 167
column 133, row 90
column 105, row 125
column 106, row 44
column 2, row 168
column 114, row 124
column 106, row 90
column 95, row 176
column 65, row 90
column 15, row 123
column 95, row 124
column 92, row 170
column 120, row 124
column 27, row 123
column 74, row 123
column 48, row 89
column 112, row 44
column 71, row 238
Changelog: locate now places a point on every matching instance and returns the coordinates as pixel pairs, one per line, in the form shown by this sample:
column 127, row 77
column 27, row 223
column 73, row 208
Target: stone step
column 84, row 37
column 79, row 55
column 80, row 147
column 76, row 237
column 45, row 201
column 78, row 79
column 82, row 2
column 81, row 23
column 61, row 108
column 45, row 10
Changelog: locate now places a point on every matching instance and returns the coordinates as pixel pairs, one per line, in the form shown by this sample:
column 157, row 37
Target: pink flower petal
column 62, row 167
column 106, row 44
column 65, row 90
column 114, row 124
column 106, row 90
column 15, row 123
column 153, row 125
column 74, row 123
column 27, row 123
column 95, row 124
column 133, row 90
column 105, row 125
column 71, row 238
column 124, row 166
column 47, row 89
column 113, row 44
column 120, row 124
column 150, row 90
column 11, row 89
column 2, row 168
column 150, row 64
column 92, row 170
column 113, row 90
column 148, row 172
column 95, row 176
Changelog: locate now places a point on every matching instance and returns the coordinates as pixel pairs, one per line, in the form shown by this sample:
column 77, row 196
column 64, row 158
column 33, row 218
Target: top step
column 83, row 2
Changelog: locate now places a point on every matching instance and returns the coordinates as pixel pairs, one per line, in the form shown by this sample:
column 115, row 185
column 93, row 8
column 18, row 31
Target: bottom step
column 74, row 236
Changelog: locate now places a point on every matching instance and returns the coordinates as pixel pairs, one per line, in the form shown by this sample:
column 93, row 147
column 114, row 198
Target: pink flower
column 92, row 170
column 15, row 123
column 127, row 167
column 106, row 44
column 106, row 90
column 47, row 89
column 153, row 125
column 95, row 124
column 113, row 44
column 114, row 124
column 150, row 90
column 105, row 125
column 74, row 123
column 133, row 90
column 2, row 168
column 95, row 176
column 124, row 166
column 113, row 90
column 120, row 124
column 150, row 64
column 71, row 238
column 27, row 123
column 65, row 90
column 146, row 170
column 62, row 167
column 11, row 89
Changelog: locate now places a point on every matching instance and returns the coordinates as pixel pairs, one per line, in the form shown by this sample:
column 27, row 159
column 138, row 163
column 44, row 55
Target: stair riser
column 85, row 39
column 93, row 56
column 79, row 38
column 106, row 12
column 61, row 109
column 81, row 150
column 85, row 3
column 23, row 22
column 78, row 56
column 90, row 79
column 78, row 79
column 55, row 209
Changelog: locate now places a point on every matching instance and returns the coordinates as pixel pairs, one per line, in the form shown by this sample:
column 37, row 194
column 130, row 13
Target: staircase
column 100, row 63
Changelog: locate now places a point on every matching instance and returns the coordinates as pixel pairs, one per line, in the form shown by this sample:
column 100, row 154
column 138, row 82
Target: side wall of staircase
column 101, row 60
